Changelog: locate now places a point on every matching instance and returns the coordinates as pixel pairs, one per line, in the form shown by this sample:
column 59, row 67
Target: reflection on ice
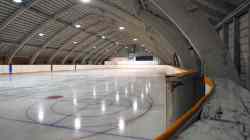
column 132, row 87
column 75, row 101
column 77, row 123
column 146, row 89
column 94, row 92
column 40, row 113
column 135, row 105
column 149, row 84
column 103, row 106
column 126, row 92
column 117, row 97
column 142, row 96
column 121, row 124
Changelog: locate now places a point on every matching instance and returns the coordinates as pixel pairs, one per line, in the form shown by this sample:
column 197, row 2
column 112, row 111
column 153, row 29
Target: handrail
column 185, row 117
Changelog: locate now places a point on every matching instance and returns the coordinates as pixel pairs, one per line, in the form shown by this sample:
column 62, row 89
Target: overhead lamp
column 74, row 42
column 41, row 34
column 135, row 39
column 103, row 37
column 121, row 28
column 85, row 1
column 18, row 1
column 78, row 26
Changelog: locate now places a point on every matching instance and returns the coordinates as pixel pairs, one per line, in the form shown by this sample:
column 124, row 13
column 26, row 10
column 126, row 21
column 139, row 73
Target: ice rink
column 116, row 104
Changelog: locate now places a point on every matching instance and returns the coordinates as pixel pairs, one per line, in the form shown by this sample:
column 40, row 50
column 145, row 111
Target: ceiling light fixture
column 18, row 1
column 41, row 34
column 78, row 26
column 121, row 28
column 85, row 1
column 135, row 39
column 103, row 37
column 74, row 42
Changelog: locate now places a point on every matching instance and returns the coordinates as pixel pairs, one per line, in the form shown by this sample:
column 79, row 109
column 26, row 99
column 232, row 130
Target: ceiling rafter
column 45, row 45
column 233, row 2
column 101, row 58
column 92, row 52
column 71, row 39
column 53, row 38
column 97, row 44
column 81, row 45
column 103, row 52
column 19, row 12
column 63, row 47
column 29, row 45
column 99, row 51
column 211, row 6
column 88, row 48
column 108, row 55
column 37, row 29
column 22, row 44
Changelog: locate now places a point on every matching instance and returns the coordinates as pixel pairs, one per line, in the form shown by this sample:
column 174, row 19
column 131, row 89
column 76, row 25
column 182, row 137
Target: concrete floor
column 226, row 116
column 92, row 105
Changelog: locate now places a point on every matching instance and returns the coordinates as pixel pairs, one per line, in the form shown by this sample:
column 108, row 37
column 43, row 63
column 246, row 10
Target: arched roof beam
column 100, row 59
column 81, row 45
column 88, row 48
column 71, row 39
column 212, row 6
column 133, row 23
column 92, row 52
column 100, row 51
column 19, row 12
column 52, row 39
column 37, row 29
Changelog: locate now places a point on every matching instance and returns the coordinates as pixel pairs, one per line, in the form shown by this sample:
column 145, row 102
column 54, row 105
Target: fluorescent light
column 103, row 37
column 74, row 42
column 85, row 1
column 41, row 34
column 121, row 28
column 18, row 1
column 78, row 26
column 135, row 39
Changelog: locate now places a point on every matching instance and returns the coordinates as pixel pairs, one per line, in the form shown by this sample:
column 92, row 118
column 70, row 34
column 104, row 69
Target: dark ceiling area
column 215, row 10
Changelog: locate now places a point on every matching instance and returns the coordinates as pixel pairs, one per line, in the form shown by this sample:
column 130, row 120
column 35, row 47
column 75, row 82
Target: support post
column 248, row 65
column 237, row 44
